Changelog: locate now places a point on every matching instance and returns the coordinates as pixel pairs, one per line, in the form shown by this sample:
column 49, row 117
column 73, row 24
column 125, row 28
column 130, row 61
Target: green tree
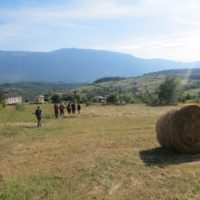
column 113, row 98
column 169, row 91
column 188, row 97
column 77, row 98
column 126, row 97
column 84, row 99
column 2, row 98
column 68, row 97
column 55, row 98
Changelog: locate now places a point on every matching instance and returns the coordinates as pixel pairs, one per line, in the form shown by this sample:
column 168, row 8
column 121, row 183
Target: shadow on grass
column 27, row 126
column 160, row 157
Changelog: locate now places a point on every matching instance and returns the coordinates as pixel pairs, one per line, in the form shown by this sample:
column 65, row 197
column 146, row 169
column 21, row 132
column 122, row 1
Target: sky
column 168, row 29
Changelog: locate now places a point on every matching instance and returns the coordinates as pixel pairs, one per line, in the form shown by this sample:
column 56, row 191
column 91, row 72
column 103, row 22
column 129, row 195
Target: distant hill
column 31, row 89
column 77, row 65
column 191, row 74
column 108, row 85
column 141, row 84
column 108, row 79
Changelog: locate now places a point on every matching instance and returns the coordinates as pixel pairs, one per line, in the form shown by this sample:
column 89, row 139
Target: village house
column 101, row 99
column 13, row 99
column 40, row 99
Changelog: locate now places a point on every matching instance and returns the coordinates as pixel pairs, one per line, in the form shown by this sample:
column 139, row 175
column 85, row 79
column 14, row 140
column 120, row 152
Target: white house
column 101, row 99
column 40, row 99
column 13, row 98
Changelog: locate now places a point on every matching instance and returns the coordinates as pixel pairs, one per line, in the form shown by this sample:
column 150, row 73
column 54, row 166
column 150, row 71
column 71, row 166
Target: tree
column 77, row 97
column 169, row 91
column 127, row 98
column 188, row 97
column 68, row 97
column 113, row 98
column 2, row 99
column 55, row 98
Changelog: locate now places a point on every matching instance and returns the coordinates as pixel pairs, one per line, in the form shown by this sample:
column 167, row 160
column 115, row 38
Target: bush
column 67, row 97
column 3, row 104
column 113, row 99
column 148, row 98
column 55, row 98
column 188, row 97
column 84, row 99
column 2, row 99
column 169, row 91
column 87, row 103
column 127, row 98
column 20, row 107
column 196, row 100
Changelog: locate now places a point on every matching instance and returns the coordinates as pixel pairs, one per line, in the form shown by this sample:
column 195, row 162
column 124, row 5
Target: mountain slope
column 77, row 65
column 107, row 85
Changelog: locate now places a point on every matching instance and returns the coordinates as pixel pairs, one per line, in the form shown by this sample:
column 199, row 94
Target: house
column 101, row 99
column 13, row 99
column 40, row 99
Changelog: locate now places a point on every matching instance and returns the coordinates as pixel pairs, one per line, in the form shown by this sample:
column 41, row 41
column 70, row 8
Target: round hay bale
column 180, row 129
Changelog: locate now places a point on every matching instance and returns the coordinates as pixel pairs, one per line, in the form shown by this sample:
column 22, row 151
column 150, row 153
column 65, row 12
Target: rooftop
column 9, row 95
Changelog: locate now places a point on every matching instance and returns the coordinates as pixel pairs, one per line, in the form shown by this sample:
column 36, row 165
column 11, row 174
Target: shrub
column 20, row 107
column 169, row 91
column 113, row 99
column 55, row 98
column 2, row 99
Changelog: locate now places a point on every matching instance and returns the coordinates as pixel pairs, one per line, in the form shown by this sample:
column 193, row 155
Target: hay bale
column 180, row 129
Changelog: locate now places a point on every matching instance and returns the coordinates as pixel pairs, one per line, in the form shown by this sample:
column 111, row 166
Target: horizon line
column 98, row 49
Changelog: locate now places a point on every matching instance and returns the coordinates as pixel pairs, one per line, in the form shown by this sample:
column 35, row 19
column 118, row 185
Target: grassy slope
column 143, row 83
column 108, row 152
column 148, row 82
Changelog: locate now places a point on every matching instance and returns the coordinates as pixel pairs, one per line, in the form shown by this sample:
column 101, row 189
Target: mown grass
column 107, row 152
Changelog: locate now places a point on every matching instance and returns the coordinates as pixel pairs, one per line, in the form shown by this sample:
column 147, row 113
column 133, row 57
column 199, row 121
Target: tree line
column 169, row 92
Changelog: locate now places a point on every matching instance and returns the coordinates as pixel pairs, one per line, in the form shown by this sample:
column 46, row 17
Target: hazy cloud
column 89, row 24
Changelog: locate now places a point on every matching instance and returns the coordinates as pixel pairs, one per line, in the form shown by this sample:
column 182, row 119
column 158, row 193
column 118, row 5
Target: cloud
column 173, row 21
column 6, row 33
column 104, row 9
column 183, row 21
column 184, row 47
column 86, row 10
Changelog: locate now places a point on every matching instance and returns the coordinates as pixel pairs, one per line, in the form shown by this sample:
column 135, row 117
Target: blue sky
column 167, row 29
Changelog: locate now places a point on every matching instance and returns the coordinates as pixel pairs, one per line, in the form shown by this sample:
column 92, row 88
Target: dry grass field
column 105, row 153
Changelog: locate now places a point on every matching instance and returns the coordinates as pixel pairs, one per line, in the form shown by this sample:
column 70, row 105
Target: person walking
column 56, row 110
column 69, row 109
column 79, row 108
column 62, row 110
column 38, row 114
column 73, row 106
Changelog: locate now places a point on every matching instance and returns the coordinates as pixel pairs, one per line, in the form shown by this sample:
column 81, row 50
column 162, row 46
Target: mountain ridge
column 73, row 65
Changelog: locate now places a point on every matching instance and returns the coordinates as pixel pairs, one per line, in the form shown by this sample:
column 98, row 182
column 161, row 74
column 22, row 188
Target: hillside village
column 128, row 90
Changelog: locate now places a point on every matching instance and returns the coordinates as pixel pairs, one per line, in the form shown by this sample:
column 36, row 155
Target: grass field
column 107, row 152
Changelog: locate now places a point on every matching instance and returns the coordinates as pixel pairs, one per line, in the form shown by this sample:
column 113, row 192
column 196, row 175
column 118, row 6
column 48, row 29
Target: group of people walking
column 71, row 108
column 59, row 110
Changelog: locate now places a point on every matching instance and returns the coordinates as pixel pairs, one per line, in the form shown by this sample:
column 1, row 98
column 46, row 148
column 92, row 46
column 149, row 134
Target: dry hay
column 179, row 129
